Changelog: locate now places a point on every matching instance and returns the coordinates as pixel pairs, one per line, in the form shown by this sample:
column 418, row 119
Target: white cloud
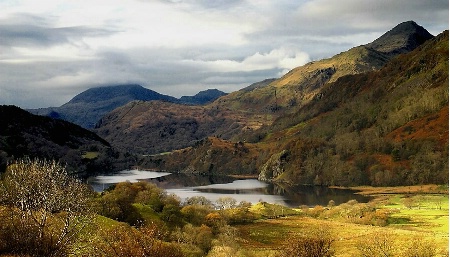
column 280, row 58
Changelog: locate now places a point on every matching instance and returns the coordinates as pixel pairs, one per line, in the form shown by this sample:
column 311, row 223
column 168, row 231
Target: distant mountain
column 120, row 94
column 203, row 97
column 25, row 134
column 88, row 107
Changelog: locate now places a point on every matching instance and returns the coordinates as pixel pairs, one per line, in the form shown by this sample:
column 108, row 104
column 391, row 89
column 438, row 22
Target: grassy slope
column 267, row 237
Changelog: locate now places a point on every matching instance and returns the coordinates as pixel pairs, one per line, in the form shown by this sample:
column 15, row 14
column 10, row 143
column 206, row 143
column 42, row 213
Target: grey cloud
column 27, row 30
column 208, row 4
column 312, row 20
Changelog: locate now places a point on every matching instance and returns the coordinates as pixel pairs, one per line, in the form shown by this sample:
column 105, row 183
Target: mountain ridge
column 246, row 111
column 89, row 106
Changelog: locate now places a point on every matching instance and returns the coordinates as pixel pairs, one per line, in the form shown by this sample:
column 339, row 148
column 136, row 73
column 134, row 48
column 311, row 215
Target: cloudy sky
column 51, row 50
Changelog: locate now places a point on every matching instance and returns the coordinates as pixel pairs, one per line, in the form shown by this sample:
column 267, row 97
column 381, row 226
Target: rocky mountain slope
column 300, row 85
column 380, row 127
column 240, row 115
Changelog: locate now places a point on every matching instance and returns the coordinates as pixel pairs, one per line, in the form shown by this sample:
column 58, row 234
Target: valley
column 364, row 120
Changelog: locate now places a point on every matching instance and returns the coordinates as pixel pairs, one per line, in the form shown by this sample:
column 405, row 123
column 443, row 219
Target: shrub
column 315, row 243
column 45, row 209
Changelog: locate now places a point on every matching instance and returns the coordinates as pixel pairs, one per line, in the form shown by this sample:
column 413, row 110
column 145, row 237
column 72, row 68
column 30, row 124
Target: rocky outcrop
column 274, row 167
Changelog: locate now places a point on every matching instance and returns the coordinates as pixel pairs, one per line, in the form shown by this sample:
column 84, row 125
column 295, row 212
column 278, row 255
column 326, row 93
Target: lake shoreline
column 415, row 189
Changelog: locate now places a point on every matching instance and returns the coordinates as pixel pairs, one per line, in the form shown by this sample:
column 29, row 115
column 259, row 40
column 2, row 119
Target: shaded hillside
column 88, row 107
column 402, row 39
column 25, row 134
column 155, row 127
column 386, row 127
column 202, row 97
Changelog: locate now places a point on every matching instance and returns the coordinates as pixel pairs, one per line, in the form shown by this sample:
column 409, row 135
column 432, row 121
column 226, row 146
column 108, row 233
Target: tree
column 45, row 209
column 226, row 202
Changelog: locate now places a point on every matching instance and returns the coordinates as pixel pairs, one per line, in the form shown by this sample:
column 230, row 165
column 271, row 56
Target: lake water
column 213, row 188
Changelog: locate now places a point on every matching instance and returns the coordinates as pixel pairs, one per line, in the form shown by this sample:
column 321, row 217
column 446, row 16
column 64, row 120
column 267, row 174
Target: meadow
column 414, row 222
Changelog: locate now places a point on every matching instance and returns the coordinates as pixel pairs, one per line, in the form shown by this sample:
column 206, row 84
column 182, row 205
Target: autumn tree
column 45, row 209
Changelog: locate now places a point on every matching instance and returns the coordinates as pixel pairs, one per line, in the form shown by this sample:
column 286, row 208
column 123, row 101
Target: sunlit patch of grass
column 90, row 155
column 147, row 213
column 426, row 219
column 268, row 210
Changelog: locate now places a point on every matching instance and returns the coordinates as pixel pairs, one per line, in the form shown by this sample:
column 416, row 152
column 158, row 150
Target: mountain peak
column 128, row 91
column 403, row 38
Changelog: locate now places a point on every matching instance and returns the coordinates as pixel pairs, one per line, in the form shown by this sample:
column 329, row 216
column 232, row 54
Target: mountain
column 404, row 38
column 202, row 97
column 88, row 107
column 243, row 113
column 299, row 86
column 381, row 127
column 25, row 134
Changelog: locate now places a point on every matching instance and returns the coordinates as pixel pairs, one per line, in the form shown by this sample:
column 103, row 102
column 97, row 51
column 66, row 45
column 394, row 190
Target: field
column 415, row 221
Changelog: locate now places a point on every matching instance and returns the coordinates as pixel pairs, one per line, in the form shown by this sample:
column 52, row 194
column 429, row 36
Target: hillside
column 239, row 115
column 300, row 85
column 24, row 134
column 156, row 126
column 382, row 127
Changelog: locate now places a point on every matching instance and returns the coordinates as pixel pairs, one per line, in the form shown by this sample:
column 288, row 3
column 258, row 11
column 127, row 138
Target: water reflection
column 100, row 183
column 215, row 187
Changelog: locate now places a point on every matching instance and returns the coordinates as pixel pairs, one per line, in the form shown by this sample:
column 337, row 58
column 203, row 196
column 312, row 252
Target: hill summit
column 403, row 38
column 120, row 94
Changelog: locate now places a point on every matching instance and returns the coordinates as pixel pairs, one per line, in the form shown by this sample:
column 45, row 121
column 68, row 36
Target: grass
column 90, row 155
column 427, row 219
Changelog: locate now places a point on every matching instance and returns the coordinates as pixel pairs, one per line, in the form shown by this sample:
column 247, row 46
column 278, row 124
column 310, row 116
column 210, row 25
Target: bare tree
column 46, row 209
column 226, row 203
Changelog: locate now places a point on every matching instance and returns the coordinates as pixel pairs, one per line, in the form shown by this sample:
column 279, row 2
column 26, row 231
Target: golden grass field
column 421, row 219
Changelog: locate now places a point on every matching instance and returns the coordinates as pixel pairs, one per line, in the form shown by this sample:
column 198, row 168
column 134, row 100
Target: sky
column 52, row 50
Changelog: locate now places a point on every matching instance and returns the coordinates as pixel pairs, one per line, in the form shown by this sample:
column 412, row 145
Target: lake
column 215, row 187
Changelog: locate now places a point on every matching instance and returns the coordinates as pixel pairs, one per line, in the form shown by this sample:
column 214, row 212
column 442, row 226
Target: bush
column 315, row 243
